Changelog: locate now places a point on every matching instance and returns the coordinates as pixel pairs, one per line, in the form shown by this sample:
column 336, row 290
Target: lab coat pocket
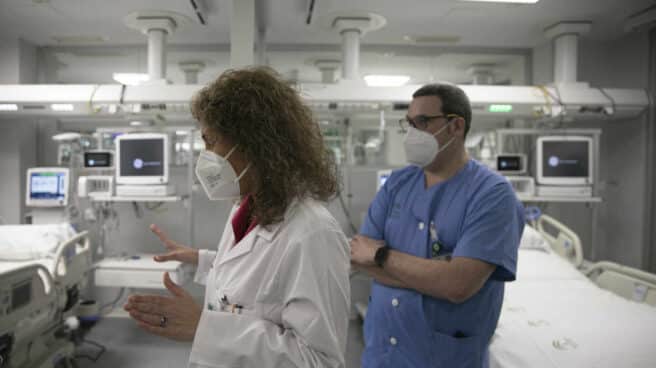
column 449, row 351
column 234, row 302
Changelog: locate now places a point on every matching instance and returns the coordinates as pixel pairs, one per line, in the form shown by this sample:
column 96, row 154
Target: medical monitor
column 142, row 158
column 564, row 160
column 381, row 178
column 47, row 187
column 511, row 163
column 97, row 159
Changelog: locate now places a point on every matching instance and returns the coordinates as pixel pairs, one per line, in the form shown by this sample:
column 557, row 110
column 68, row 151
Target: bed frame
column 73, row 259
column 72, row 263
column 31, row 333
column 562, row 239
column 628, row 282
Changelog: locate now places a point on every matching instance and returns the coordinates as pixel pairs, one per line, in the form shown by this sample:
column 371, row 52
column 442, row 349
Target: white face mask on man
column 217, row 177
column 421, row 147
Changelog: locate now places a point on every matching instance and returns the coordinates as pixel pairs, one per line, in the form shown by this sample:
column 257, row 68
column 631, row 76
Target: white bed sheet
column 536, row 264
column 29, row 242
column 552, row 317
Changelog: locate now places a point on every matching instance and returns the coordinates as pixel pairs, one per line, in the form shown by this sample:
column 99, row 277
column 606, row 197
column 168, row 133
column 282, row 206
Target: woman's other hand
column 175, row 251
column 175, row 317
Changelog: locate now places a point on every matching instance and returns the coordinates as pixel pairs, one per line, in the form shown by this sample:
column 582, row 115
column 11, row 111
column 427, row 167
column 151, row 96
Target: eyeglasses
column 421, row 121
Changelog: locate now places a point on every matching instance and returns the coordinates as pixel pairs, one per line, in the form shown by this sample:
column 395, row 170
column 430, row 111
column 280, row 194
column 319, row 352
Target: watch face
column 381, row 256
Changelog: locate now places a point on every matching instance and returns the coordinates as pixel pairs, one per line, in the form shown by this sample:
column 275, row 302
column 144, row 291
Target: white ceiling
column 501, row 34
column 477, row 24
column 74, row 67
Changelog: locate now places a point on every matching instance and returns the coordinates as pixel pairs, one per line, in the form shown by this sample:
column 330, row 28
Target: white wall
column 9, row 72
column 17, row 142
column 18, row 64
column 27, row 70
column 650, row 213
column 543, row 63
column 622, row 63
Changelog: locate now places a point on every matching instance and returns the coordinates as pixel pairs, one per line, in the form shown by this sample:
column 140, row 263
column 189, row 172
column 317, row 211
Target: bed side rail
column 628, row 282
column 562, row 239
column 68, row 251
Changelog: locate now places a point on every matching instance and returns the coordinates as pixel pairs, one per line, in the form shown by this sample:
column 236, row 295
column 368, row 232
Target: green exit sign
column 500, row 108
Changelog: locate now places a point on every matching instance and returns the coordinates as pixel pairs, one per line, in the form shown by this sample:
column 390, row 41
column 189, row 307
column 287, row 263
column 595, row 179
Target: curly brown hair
column 261, row 113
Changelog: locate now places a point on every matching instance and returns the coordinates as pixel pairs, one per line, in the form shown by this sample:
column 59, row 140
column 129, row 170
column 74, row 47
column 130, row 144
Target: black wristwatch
column 381, row 255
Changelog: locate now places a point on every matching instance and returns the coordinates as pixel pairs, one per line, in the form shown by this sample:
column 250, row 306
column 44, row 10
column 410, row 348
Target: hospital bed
column 43, row 268
column 624, row 281
column 61, row 250
column 553, row 315
column 30, row 328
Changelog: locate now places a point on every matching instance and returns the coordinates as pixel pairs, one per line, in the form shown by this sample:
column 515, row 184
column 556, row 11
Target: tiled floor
column 128, row 346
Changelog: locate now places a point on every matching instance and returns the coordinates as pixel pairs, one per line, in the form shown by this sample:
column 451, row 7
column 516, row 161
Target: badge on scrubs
column 436, row 246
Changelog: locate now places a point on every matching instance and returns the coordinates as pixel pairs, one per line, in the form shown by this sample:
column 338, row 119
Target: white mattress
column 553, row 316
column 28, row 242
column 535, row 265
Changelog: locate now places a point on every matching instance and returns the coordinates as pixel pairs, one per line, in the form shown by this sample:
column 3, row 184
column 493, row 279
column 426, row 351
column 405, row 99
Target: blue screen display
column 48, row 185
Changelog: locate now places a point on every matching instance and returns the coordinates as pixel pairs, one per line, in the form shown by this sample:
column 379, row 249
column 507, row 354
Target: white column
column 327, row 75
column 242, row 33
column 191, row 70
column 350, row 53
column 156, row 54
column 260, row 47
column 565, row 37
column 566, row 48
column 327, row 67
column 191, row 76
column 482, row 79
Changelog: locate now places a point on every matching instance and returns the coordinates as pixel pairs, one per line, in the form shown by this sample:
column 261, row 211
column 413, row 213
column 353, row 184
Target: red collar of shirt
column 241, row 225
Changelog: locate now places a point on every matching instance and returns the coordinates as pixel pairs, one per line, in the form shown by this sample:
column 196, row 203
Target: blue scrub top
column 474, row 214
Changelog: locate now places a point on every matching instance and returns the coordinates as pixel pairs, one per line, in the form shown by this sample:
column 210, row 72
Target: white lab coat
column 292, row 281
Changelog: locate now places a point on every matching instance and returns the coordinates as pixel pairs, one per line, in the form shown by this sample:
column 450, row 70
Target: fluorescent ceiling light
column 431, row 39
column 505, row 1
column 386, row 80
column 8, row 107
column 61, row 107
column 79, row 39
column 140, row 123
column 130, row 79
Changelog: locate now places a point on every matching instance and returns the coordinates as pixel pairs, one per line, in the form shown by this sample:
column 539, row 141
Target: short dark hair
column 454, row 100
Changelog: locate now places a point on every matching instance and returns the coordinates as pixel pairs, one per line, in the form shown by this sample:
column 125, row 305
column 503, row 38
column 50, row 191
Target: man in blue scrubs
column 440, row 240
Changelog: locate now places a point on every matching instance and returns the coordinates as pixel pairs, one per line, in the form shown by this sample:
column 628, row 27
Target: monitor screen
column 21, row 295
column 142, row 157
column 565, row 159
column 509, row 163
column 46, row 186
column 97, row 159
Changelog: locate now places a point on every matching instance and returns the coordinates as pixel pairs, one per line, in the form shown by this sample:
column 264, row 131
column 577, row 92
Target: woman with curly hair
column 277, row 288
